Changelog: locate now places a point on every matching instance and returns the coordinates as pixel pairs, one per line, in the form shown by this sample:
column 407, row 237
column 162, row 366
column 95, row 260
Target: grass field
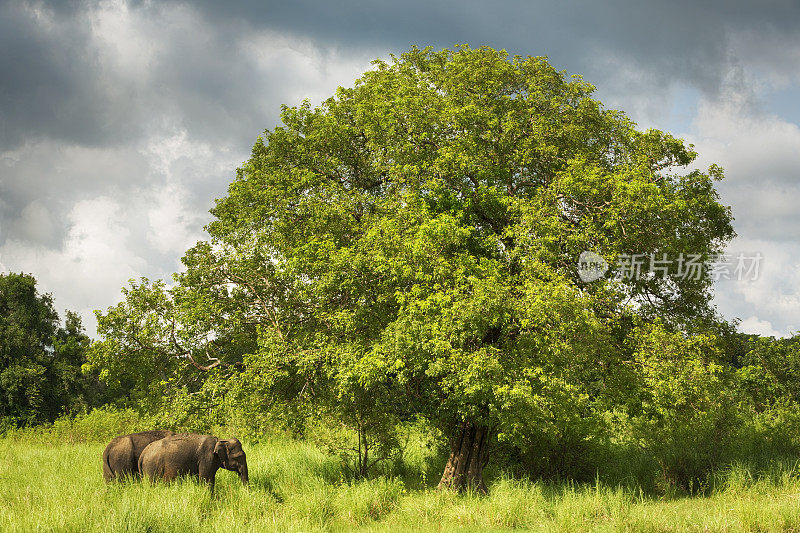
column 295, row 487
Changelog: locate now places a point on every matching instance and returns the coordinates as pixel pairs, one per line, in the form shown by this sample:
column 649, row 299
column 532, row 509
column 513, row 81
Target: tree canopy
column 40, row 359
column 409, row 248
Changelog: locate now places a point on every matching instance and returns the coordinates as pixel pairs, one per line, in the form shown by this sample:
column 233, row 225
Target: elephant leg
column 169, row 474
column 208, row 475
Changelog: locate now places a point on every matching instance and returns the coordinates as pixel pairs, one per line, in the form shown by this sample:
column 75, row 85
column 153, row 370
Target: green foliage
column 409, row 249
column 770, row 372
column 141, row 323
column 98, row 425
column 159, row 342
column 415, row 237
column 40, row 359
column 689, row 414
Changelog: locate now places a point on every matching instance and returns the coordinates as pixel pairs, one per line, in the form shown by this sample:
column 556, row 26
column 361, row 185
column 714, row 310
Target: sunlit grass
column 296, row 487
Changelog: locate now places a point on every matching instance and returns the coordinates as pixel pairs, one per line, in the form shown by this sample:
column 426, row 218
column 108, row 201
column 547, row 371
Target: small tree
column 687, row 407
column 150, row 339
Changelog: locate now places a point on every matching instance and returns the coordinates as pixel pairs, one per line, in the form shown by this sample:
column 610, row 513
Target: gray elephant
column 191, row 454
column 121, row 456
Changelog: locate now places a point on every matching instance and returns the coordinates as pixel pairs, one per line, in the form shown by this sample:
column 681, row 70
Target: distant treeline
column 41, row 358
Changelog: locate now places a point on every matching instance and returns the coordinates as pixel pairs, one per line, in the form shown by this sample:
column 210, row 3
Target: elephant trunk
column 243, row 475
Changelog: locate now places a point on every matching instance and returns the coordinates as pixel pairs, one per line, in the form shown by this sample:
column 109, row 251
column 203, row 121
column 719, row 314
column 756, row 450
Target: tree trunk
column 363, row 455
column 469, row 454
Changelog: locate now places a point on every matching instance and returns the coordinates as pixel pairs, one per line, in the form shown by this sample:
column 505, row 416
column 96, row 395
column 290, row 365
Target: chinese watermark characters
column 740, row 267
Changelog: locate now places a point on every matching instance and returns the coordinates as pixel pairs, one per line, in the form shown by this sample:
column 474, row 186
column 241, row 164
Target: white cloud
column 753, row 147
column 759, row 152
column 86, row 273
column 173, row 227
column 753, row 325
column 125, row 40
column 306, row 70
column 173, row 224
column 775, row 293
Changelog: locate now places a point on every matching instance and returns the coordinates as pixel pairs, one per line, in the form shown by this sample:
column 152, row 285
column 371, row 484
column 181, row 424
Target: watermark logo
column 591, row 266
column 741, row 267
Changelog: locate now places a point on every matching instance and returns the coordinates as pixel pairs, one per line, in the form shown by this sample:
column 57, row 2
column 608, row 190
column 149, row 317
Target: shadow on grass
column 264, row 483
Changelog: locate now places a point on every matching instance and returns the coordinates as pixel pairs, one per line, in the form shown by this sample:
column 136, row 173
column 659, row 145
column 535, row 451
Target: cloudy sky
column 121, row 121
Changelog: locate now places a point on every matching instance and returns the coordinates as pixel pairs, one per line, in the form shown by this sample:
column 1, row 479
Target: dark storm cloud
column 683, row 40
column 55, row 85
column 47, row 87
column 142, row 109
column 77, row 115
column 87, row 86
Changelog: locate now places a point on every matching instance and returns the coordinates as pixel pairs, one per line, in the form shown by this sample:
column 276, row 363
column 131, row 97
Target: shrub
column 688, row 420
column 98, row 425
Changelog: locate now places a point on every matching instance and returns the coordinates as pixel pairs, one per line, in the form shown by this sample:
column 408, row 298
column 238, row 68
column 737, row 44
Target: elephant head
column 232, row 457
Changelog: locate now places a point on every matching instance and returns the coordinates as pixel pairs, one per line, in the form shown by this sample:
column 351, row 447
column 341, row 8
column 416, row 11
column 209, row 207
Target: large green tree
column 410, row 247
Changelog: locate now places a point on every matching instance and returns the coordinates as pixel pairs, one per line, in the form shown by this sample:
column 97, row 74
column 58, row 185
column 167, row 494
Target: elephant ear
column 221, row 451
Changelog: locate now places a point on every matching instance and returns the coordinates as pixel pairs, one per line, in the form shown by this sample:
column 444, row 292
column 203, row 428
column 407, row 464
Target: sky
column 122, row 121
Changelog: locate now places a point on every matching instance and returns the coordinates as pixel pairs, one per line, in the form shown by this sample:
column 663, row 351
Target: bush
column 99, row 425
column 688, row 422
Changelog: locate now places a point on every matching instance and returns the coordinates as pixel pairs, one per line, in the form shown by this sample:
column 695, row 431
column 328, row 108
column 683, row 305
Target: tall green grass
column 58, row 486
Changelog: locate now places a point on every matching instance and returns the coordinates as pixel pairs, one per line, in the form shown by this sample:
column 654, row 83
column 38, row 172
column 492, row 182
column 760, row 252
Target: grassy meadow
column 294, row 486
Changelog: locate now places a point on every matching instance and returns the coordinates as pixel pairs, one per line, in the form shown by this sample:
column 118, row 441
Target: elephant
column 192, row 454
column 121, row 456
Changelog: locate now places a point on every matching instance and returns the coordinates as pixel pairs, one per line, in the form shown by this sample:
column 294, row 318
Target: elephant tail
column 140, row 468
column 108, row 474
